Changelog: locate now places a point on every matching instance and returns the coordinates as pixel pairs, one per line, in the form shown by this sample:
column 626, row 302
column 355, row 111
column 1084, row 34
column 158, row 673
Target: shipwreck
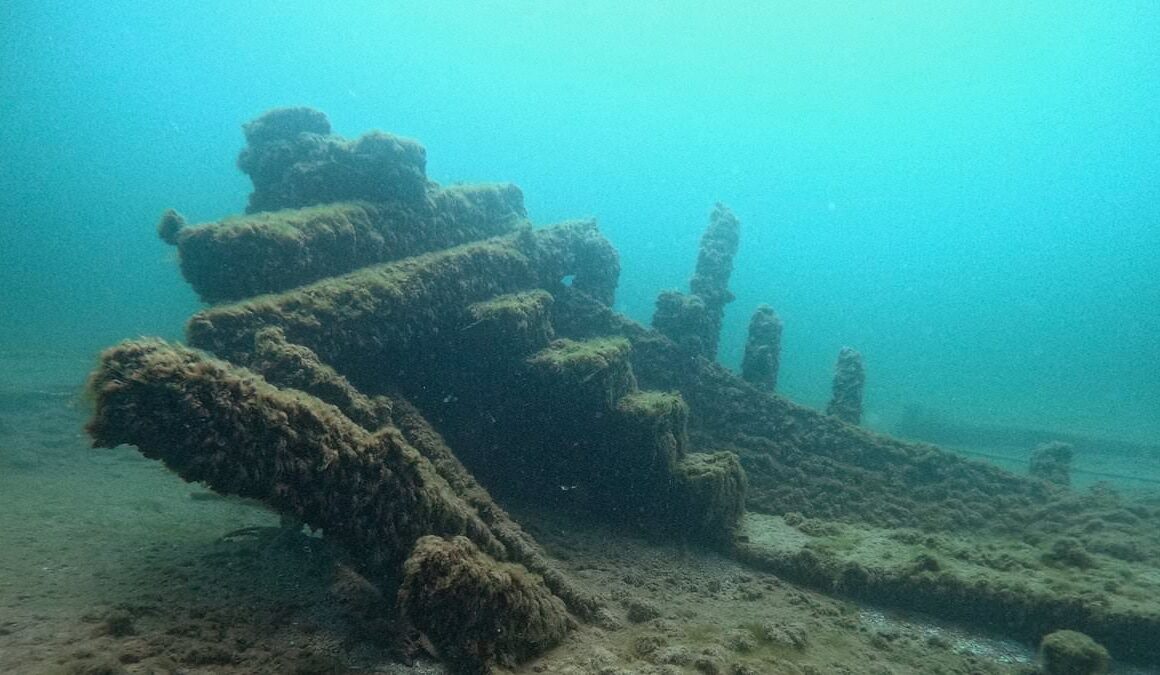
column 389, row 361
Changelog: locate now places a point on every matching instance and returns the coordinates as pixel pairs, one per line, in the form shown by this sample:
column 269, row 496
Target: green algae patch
column 587, row 374
column 1067, row 652
column 514, row 308
column 711, row 494
column 996, row 580
column 567, row 356
column 652, row 426
column 476, row 610
column 508, row 327
column 652, row 405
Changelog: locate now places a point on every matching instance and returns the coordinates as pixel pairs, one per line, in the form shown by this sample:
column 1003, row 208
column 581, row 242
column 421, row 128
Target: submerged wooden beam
column 225, row 426
column 823, row 479
column 289, row 365
column 373, row 321
column 267, row 252
column 799, row 459
column 693, row 320
column 375, row 494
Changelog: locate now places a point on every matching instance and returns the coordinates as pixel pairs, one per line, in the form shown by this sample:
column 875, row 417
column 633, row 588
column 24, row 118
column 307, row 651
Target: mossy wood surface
column 1087, row 559
column 273, row 251
column 215, row 423
column 989, row 581
column 369, row 318
column 475, row 610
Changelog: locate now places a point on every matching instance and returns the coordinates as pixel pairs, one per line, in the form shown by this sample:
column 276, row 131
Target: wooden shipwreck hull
column 395, row 355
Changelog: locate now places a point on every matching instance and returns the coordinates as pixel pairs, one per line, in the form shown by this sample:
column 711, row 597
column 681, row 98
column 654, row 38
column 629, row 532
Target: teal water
column 968, row 193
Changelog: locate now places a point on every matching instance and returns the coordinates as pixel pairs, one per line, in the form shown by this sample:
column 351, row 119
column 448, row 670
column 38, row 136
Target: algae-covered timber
column 381, row 498
column 694, row 320
column 370, row 322
column 802, row 460
column 836, row 477
column 408, row 324
column 762, row 359
column 294, row 160
column 587, row 374
column 273, row 251
column 712, row 493
column 621, row 451
column 226, row 426
column 521, row 322
column 520, row 545
column 476, row 610
column 502, row 358
column 294, row 366
column 571, row 423
column 323, row 205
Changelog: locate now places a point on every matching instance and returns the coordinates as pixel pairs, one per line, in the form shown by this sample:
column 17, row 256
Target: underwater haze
column 966, row 192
